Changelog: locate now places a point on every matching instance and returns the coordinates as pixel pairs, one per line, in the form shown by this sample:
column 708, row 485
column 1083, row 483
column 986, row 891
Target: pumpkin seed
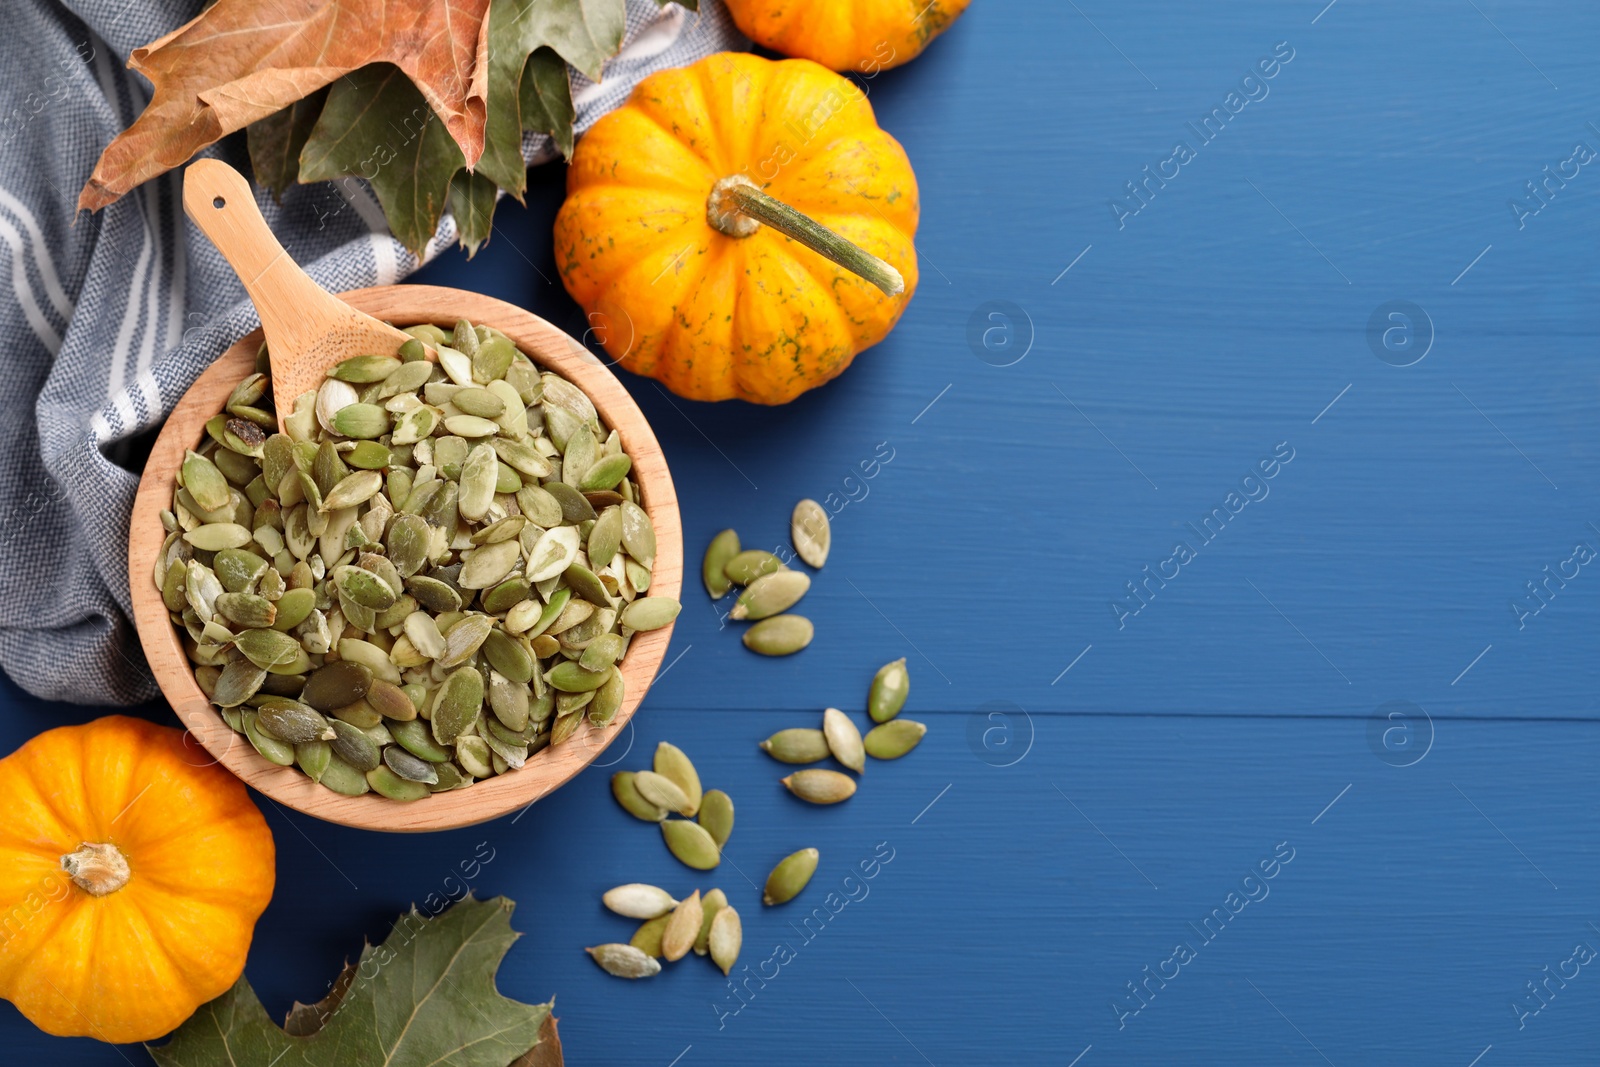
column 650, row 613
column 464, row 639
column 605, row 473
column 662, row 791
column 790, row 876
column 292, row 721
column 353, row 746
column 361, row 421
column 508, row 701
column 342, row 778
column 771, row 594
column 460, row 701
column 416, row 738
column 752, row 563
column 725, row 939
column 238, row 682
column 204, row 482
column 409, row 767
column 390, row 701
column 353, row 489
column 364, row 368
column 893, row 739
column 844, row 739
column 568, row 677
column 690, row 843
column 890, row 687
column 217, row 536
column 337, row 684
column 574, row 508
column 710, row 904
column 797, row 745
column 672, row 764
column 387, row 783
column 819, row 786
column 450, row 777
column 682, row 929
column 638, row 533
column 489, row 565
column 313, row 758
column 810, row 532
column 275, row 751
column 602, row 652
column 639, row 901
column 294, row 606
column 716, row 815
column 606, row 537
column 472, row 752
column 781, row 635
column 632, row 801
column 267, row 649
column 647, row 938
column 624, row 961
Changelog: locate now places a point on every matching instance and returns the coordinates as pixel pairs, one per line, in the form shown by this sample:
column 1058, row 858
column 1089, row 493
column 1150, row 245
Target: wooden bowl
column 545, row 771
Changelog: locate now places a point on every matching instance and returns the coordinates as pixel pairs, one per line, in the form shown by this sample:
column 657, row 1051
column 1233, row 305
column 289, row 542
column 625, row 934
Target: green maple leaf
column 424, row 997
column 275, row 142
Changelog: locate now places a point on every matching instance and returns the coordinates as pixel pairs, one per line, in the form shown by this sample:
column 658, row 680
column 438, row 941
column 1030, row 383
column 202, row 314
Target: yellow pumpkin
column 130, row 879
column 864, row 36
column 707, row 219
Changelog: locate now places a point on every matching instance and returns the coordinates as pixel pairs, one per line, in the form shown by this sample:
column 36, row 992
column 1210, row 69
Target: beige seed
column 844, row 740
column 684, row 926
column 671, row 763
column 663, row 792
column 810, row 532
column 710, row 904
column 639, row 901
column 624, row 961
column 821, row 786
column 727, row 937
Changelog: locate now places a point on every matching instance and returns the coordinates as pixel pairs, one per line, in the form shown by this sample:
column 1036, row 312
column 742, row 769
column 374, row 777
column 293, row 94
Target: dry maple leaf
column 242, row 60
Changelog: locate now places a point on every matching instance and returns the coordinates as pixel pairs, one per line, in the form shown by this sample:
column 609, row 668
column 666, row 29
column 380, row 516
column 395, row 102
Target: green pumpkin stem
column 737, row 208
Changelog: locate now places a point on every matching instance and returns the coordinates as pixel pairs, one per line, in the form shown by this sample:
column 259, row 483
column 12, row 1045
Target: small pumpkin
column 740, row 227
column 130, row 879
column 864, row 36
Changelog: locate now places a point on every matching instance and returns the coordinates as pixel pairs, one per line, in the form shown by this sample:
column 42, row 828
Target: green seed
column 313, row 758
column 361, row 421
column 890, row 687
column 638, row 533
column 462, row 641
column 624, row 961
column 568, row 677
column 238, row 682
column 781, row 635
column 416, row 738
column 602, row 652
column 797, row 745
column 292, row 721
column 337, row 684
column 647, row 938
column 275, row 751
column 716, row 815
column 217, row 536
column 389, row 784
column 460, row 700
column 690, row 843
column 662, row 791
column 450, row 777
column 353, row 746
column 821, row 786
column 363, row 369
column 650, row 613
column 713, row 570
column 368, row 455
column 844, row 739
column 409, row 767
column 606, row 537
column 364, row 588
column 508, row 657
column 391, row 701
column 725, row 939
column 790, row 876
column 490, row 565
column 771, row 594
column 492, row 359
column 474, row 400
column 710, row 904
column 893, row 739
column 268, row 649
column 608, row 698
column 810, row 532
column 205, row 482
column 605, row 473
column 584, row 582
column 294, row 607
column 353, row 489
column 247, row 609
column 342, row 778
column 238, row 570
column 574, row 508
column 751, row 564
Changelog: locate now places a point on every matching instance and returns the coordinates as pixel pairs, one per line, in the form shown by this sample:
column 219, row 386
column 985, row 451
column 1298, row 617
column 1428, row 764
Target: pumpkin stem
column 97, row 869
column 737, row 208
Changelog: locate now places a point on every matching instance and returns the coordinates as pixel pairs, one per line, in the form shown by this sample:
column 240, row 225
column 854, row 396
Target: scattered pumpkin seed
column 664, row 792
column 716, row 815
column 624, row 961
column 797, row 745
column 781, row 635
column 714, row 569
column 682, row 928
column 637, row 900
column 726, row 939
column 844, row 739
column 751, row 564
column 650, row 613
column 632, row 801
column 810, row 532
column 893, row 739
column 690, row 843
column 647, row 938
column 790, row 876
column 671, row 763
column 890, row 687
column 771, row 594
column 818, row 786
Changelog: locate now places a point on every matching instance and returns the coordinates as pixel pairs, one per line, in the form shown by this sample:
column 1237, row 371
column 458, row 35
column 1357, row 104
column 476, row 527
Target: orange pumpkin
column 864, row 36
column 707, row 219
column 130, row 879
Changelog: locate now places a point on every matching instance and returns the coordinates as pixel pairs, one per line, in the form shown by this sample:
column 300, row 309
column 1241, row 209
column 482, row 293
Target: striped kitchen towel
column 108, row 318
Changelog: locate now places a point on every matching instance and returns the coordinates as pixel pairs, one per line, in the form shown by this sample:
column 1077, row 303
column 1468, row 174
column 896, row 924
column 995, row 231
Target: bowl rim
column 404, row 305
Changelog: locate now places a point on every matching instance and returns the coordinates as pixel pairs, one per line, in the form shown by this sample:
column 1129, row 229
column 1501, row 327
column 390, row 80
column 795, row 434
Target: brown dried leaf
column 241, row 60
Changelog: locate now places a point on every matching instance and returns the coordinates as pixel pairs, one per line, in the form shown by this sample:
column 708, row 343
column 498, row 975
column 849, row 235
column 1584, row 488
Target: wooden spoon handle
column 294, row 309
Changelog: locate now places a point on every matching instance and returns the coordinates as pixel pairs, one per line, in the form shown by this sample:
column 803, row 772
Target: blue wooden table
column 1230, row 487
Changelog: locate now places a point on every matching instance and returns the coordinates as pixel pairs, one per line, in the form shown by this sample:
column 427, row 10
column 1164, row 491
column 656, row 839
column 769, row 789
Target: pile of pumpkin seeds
column 672, row 786
column 770, row 587
column 430, row 576
column 707, row 925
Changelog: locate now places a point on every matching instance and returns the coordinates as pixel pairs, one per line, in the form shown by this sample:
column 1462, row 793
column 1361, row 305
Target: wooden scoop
column 307, row 328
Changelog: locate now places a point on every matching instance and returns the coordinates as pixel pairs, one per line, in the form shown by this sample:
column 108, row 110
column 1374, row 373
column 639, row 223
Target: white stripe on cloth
column 41, row 255
column 23, row 288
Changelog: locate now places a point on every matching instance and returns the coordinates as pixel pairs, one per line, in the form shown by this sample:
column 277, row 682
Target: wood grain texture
column 307, row 328
column 546, row 770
